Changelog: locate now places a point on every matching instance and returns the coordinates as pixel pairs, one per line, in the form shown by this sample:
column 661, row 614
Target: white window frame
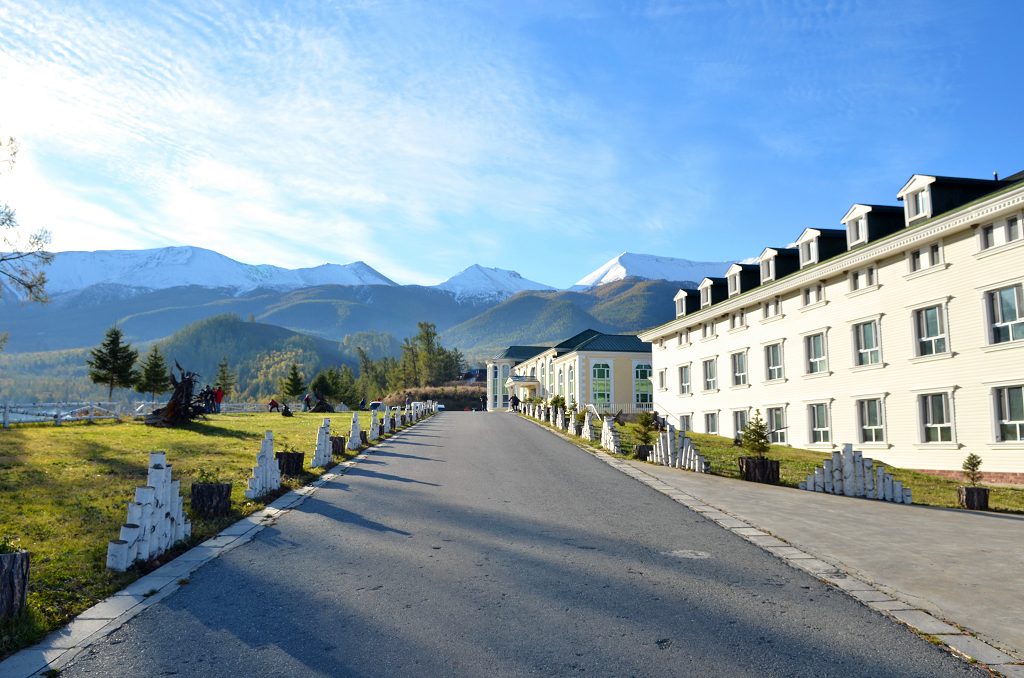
column 709, row 380
column 927, row 258
column 856, row 231
column 663, row 379
column 932, row 341
column 737, row 414
column 594, row 362
column 686, row 422
column 870, row 433
column 685, row 387
column 816, row 365
column 705, row 296
column 861, row 353
column 768, row 367
column 1001, row 409
column 739, row 376
column 707, row 422
column 768, row 269
column 738, row 320
column 637, row 381
column 996, row 319
column 814, row 428
column 733, row 282
column 925, row 412
column 776, row 434
column 918, row 203
column 864, row 279
column 812, row 295
column 808, row 252
column 707, row 330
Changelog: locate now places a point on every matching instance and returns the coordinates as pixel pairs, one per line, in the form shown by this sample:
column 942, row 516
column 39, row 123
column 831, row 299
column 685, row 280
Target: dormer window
column 917, row 203
column 856, row 231
column 680, row 307
column 734, row 284
column 705, row 297
column 768, row 270
column 809, row 252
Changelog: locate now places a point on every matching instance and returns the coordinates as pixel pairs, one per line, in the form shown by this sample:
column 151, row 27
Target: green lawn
column 795, row 464
column 65, row 490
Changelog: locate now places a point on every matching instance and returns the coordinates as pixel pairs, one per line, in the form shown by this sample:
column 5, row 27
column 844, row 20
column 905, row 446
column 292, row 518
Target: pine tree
column 155, row 377
column 225, row 377
column 113, row 362
column 755, row 435
column 293, row 385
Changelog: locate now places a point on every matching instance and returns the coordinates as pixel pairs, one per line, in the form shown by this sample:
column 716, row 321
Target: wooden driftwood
column 185, row 404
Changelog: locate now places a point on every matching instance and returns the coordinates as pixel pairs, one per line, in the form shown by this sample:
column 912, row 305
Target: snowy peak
column 651, row 267
column 176, row 266
column 480, row 282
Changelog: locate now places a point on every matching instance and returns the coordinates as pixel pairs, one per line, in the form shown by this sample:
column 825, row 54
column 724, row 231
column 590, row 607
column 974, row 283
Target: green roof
column 519, row 352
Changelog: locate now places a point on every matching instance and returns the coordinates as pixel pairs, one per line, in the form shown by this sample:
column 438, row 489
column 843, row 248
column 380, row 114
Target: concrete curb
column 954, row 638
column 59, row 648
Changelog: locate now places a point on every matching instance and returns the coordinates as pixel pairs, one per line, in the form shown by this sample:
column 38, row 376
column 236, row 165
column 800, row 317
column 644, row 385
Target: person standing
column 218, row 398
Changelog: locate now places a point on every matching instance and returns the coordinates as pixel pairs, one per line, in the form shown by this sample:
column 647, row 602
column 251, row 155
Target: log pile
column 851, row 474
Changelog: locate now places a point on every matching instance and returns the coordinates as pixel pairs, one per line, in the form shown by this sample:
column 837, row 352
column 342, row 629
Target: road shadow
column 355, row 471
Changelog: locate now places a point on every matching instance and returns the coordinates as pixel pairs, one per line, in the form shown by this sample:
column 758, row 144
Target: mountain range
column 156, row 295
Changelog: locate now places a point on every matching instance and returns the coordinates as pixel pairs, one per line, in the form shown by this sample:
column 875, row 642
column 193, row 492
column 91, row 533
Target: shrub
column 971, row 467
column 755, row 435
column 557, row 402
column 644, row 428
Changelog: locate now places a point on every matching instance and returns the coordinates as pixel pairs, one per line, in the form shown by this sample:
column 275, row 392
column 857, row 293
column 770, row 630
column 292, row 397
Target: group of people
column 211, row 398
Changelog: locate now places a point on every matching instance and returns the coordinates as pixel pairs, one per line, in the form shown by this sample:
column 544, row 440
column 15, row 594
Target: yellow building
column 610, row 371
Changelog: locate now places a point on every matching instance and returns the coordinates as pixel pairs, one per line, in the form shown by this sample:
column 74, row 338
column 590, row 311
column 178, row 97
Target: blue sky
column 545, row 137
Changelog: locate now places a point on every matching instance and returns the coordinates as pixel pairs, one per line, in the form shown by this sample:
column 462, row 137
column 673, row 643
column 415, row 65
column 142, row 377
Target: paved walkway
column 963, row 566
column 479, row 544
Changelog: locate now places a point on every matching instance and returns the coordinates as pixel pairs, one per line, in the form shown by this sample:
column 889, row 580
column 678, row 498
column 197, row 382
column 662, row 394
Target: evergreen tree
column 155, row 377
column 755, row 435
column 113, row 362
column 225, row 377
column 347, row 386
column 293, row 385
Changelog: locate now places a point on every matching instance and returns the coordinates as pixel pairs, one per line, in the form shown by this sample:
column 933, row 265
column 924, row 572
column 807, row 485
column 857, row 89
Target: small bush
column 971, row 467
column 755, row 435
column 644, row 428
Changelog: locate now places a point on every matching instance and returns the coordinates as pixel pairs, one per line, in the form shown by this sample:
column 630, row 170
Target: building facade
column 902, row 333
column 610, row 371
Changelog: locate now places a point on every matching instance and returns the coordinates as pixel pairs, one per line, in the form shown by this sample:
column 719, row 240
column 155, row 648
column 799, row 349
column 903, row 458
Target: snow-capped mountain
column 480, row 282
column 174, row 266
column 651, row 267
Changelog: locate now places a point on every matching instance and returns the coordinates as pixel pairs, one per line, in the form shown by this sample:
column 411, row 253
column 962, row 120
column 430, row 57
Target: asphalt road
column 480, row 545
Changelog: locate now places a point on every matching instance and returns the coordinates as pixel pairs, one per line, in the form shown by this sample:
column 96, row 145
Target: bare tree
column 22, row 258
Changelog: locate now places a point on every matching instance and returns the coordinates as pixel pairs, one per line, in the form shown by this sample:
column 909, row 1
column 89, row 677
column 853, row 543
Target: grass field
column 795, row 464
column 64, row 492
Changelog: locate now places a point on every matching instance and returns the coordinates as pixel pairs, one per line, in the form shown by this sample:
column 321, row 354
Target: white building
column 902, row 333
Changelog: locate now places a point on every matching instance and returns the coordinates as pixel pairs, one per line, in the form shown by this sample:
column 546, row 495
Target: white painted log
column 117, row 555
column 908, row 497
column 353, row 435
column 858, row 474
column 880, row 482
column 897, row 491
column 887, row 496
column 869, row 477
column 829, row 475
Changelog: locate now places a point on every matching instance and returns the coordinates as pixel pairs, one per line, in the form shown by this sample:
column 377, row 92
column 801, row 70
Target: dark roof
column 625, row 343
column 575, row 340
column 519, row 352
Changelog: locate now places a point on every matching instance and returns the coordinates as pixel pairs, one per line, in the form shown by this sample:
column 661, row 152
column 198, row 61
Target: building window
column 1012, row 229
column 936, row 419
column 817, row 359
column 869, row 417
column 662, row 378
column 683, row 338
column 988, row 236
column 685, row 422
column 739, row 422
column 814, row 294
column 925, row 257
column 865, row 277
column 505, row 369
column 738, row 320
column 776, row 424
column 707, row 330
column 866, row 345
column 572, row 384
column 684, row 380
column 711, row 423
column 856, row 232
column 1010, row 413
column 601, row 384
column 917, row 202
column 642, row 386
column 705, row 297
column 772, row 307
column 734, row 284
column 818, row 417
column 710, row 375
column 561, row 382
column 1006, row 310
column 773, row 361
column 739, row 368
column 809, row 252
column 930, row 330
column 768, row 269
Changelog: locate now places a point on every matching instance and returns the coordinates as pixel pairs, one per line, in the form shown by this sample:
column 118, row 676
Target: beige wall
column 969, row 372
column 622, row 366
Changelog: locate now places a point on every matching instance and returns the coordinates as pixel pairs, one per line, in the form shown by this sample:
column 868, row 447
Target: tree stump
column 973, row 498
column 13, row 583
column 210, row 500
column 759, row 469
column 642, row 452
column 363, row 438
column 338, row 445
column 290, row 463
